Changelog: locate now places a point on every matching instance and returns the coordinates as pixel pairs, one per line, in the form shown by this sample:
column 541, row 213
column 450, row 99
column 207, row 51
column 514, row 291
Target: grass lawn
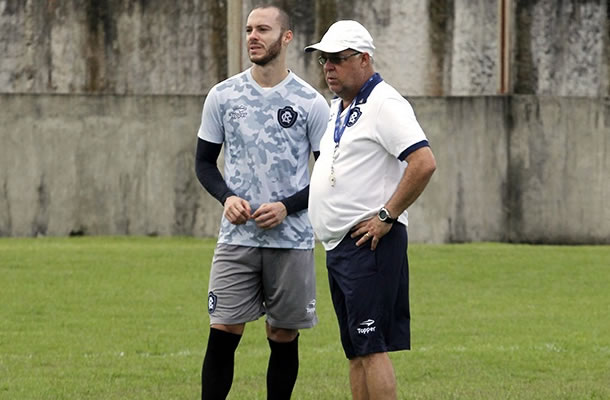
column 126, row 318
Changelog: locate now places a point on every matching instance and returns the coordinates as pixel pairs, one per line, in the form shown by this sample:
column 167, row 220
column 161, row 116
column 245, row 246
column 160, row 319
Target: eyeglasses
column 335, row 59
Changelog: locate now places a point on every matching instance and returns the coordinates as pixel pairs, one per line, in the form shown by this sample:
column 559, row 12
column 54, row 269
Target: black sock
column 217, row 371
column 283, row 369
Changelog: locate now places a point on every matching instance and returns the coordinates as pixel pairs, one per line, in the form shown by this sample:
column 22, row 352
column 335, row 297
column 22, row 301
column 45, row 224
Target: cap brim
column 326, row 47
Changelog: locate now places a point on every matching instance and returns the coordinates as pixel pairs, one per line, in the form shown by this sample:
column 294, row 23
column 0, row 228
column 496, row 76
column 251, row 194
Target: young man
column 374, row 162
column 269, row 121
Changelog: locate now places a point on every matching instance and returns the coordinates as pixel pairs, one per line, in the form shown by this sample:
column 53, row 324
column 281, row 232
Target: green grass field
column 126, row 318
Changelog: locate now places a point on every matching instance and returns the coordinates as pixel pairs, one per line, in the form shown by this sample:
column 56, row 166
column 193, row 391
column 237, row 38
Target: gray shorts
column 249, row 282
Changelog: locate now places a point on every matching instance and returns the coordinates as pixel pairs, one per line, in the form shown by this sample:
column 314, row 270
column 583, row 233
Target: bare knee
column 281, row 335
column 237, row 329
column 356, row 363
column 380, row 377
column 374, row 360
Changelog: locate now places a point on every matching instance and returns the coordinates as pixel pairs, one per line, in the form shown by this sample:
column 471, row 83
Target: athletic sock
column 283, row 369
column 217, row 370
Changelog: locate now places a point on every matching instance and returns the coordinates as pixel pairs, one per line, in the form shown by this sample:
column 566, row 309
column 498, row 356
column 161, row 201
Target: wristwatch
column 384, row 216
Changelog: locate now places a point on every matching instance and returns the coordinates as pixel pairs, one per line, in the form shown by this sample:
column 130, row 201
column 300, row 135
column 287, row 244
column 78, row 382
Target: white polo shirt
column 382, row 129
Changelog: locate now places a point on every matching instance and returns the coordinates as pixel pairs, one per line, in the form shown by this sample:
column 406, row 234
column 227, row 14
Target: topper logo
column 366, row 327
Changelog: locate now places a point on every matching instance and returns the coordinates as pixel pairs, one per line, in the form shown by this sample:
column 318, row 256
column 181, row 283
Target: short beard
column 272, row 53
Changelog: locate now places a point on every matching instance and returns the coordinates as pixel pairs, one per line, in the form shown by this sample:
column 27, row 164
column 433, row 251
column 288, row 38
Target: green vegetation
column 126, row 318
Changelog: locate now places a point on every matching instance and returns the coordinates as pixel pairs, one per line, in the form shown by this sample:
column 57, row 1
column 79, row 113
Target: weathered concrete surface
column 515, row 168
column 112, row 46
column 559, row 171
column 562, row 48
column 424, row 48
column 100, row 165
column 433, row 47
column 475, row 55
column 463, row 201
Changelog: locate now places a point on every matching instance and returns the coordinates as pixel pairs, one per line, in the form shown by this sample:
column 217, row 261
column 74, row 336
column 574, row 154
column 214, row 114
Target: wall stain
column 380, row 10
column 101, row 33
column 606, row 51
column 326, row 15
column 14, row 7
column 218, row 38
column 440, row 37
column 6, row 227
column 122, row 221
column 301, row 16
column 458, row 225
column 186, row 194
column 512, row 199
column 41, row 220
column 525, row 72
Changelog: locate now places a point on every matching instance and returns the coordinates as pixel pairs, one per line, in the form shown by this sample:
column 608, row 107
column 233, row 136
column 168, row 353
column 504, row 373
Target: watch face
column 384, row 216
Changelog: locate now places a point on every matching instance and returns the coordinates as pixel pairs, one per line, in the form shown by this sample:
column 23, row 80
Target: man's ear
column 366, row 58
column 287, row 36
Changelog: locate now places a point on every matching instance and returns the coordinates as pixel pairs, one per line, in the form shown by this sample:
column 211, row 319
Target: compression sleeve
column 207, row 170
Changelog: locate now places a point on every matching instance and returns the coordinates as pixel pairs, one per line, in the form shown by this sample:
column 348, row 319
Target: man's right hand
column 237, row 210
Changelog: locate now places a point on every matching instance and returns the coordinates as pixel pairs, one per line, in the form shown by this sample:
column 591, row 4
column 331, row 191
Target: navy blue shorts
column 370, row 293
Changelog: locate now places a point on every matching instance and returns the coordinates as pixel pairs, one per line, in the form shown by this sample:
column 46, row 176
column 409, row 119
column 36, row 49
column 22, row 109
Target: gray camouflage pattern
column 265, row 160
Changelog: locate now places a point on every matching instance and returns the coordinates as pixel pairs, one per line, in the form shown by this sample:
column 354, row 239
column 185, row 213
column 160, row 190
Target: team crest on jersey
column 212, row 301
column 287, row 117
column 353, row 116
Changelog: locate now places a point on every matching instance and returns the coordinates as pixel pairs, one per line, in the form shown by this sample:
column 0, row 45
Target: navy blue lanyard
column 364, row 91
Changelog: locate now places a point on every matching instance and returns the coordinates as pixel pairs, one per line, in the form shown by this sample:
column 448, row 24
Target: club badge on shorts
column 212, row 300
column 286, row 117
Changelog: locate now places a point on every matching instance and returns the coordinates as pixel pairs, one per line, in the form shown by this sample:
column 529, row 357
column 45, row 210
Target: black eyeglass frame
column 336, row 60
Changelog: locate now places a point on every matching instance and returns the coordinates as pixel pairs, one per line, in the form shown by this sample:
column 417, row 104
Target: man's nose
column 252, row 35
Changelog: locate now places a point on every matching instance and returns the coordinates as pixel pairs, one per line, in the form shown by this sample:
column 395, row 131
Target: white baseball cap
column 343, row 35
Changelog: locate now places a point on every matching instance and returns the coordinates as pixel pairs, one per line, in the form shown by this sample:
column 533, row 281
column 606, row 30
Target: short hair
column 283, row 17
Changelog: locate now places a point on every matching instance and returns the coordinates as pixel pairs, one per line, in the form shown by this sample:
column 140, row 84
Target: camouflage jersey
column 268, row 136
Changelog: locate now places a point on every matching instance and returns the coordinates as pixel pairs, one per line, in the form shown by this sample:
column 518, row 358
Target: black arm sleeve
column 207, row 170
column 299, row 200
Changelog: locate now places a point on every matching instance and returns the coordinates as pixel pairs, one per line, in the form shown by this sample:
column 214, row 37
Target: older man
column 374, row 162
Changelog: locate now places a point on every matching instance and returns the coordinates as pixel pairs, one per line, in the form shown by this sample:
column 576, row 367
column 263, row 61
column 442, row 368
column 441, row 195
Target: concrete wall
column 516, row 168
column 424, row 47
column 465, row 198
column 100, row 101
column 112, row 46
column 561, row 48
column 520, row 168
column 559, row 170
column 83, row 164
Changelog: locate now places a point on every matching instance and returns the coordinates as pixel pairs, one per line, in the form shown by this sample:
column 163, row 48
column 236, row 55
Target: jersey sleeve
column 397, row 127
column 317, row 121
column 211, row 128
